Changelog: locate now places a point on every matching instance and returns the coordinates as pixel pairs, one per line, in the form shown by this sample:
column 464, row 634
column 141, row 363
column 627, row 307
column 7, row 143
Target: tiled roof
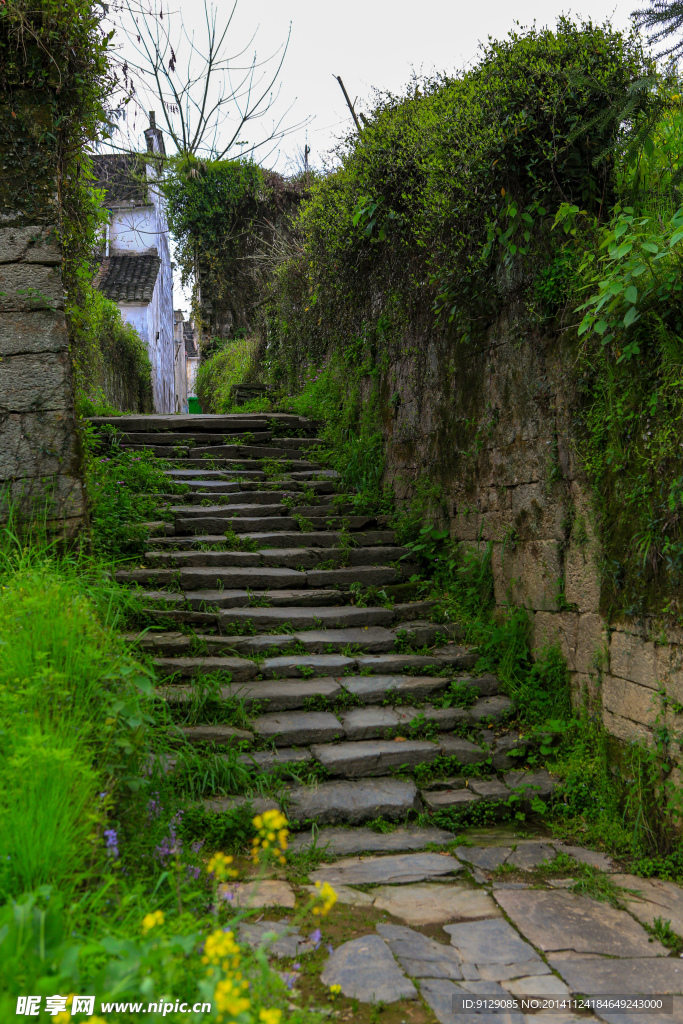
column 128, row 277
column 124, row 176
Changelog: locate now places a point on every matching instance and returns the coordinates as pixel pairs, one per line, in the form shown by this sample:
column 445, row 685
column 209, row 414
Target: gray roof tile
column 128, row 277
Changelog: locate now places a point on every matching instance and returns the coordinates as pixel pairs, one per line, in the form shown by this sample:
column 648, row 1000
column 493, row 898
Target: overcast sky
column 371, row 44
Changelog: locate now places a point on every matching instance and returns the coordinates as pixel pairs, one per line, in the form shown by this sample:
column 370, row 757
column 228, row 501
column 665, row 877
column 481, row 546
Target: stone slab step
column 226, row 467
column 297, row 728
column 243, row 599
column 258, row 804
column 376, row 688
column 269, row 761
column 495, row 708
column 181, row 475
column 373, row 757
column 329, row 617
column 159, row 437
column 397, row 869
column 238, row 668
column 456, row 658
column 190, row 578
column 466, row 752
column 220, row 735
column 366, row 575
column 166, row 597
column 489, row 789
column 373, row 721
column 267, row 695
column 326, row 539
column 443, row 798
column 325, row 641
column 203, row 421
column 345, row 841
column 292, row 558
column 334, row 803
column 268, row 509
column 159, row 529
column 295, row 666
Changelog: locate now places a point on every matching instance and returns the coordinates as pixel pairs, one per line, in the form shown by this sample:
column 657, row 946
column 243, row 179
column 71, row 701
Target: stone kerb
column 39, row 465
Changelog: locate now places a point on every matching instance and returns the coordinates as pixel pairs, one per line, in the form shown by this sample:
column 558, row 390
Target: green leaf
column 601, row 327
column 650, row 247
column 631, row 316
column 631, row 294
column 676, row 237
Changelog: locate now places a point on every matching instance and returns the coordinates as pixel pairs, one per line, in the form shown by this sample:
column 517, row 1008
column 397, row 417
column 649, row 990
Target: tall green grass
column 71, row 717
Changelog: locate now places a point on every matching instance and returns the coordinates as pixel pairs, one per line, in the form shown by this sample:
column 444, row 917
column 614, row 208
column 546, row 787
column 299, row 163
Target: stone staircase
column 263, row 579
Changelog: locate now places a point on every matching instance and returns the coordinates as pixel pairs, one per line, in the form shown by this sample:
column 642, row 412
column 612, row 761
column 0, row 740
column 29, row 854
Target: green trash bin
column 193, row 405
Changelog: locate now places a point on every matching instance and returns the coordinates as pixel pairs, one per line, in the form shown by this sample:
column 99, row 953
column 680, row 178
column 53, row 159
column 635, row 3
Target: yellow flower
column 219, row 867
column 220, row 944
column 270, row 1016
column 270, row 826
column 150, row 921
column 328, row 896
column 335, row 990
column 228, row 999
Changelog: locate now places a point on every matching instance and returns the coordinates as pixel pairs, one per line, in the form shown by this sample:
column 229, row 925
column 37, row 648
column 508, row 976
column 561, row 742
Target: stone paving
column 492, row 941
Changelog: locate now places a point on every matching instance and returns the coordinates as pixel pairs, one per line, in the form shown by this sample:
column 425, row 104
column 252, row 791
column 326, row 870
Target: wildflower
column 111, row 843
column 270, row 1016
column 315, row 937
column 328, row 896
column 219, row 867
column 150, row 921
column 335, row 990
column 220, row 948
column 228, row 999
column 271, row 828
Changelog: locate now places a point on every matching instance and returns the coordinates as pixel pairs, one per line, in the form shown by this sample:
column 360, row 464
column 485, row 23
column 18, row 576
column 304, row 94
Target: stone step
column 352, row 803
column 374, row 720
column 325, row 616
column 159, row 437
column 220, row 735
column 239, row 669
column 344, row 842
column 273, row 598
column 229, row 493
column 195, row 618
column 180, row 475
column 159, row 529
column 268, row 761
column 372, row 757
column 226, row 469
column 257, row 518
column 298, row 728
column 273, row 695
column 270, row 509
column 324, row 641
column 293, row 558
column 256, row 577
column 228, row 422
column 251, row 578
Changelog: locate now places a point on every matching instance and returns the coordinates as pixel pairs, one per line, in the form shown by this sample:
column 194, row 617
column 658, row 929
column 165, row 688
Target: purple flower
column 315, row 937
column 330, row 947
column 290, row 980
column 196, row 847
column 111, row 843
column 193, row 872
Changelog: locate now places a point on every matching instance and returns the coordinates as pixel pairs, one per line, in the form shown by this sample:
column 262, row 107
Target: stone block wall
column 494, row 425
column 39, row 455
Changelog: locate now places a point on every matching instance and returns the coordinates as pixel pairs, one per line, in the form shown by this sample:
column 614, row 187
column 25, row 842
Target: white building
column 136, row 266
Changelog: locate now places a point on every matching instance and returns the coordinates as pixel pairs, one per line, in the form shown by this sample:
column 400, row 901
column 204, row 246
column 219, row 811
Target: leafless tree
column 207, row 95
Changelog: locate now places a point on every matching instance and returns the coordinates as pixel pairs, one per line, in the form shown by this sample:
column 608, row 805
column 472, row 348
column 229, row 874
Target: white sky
column 370, row 43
